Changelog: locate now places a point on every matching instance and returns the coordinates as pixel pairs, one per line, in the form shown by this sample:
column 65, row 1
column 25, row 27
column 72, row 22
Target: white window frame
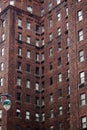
column 60, row 110
column 27, row 115
column 28, row 25
column 82, row 99
column 29, row 9
column 28, row 84
column 83, row 122
column 60, row 77
column 50, row 37
column 80, row 15
column 81, row 56
column 59, row 16
column 0, row 114
column 82, row 77
column 28, row 40
column 1, row 82
column 37, row 116
column 58, row 2
column 2, row 51
column 80, row 35
column 59, row 31
column 19, row 51
column 37, row 86
column 19, row 81
column 19, row 23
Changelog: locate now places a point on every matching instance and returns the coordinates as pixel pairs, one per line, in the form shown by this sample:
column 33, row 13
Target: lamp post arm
column 5, row 95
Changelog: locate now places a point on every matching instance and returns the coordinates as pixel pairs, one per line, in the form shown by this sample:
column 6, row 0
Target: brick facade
column 45, row 56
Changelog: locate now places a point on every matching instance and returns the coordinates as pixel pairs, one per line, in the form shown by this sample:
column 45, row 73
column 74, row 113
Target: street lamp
column 7, row 102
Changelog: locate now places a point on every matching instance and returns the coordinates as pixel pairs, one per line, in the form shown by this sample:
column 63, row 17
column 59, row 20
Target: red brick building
column 43, row 64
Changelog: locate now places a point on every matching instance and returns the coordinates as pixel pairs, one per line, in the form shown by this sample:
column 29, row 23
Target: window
column 28, row 25
column 42, row 56
column 1, row 66
column 37, row 57
column 50, row 23
column 80, row 35
column 82, row 99
column 68, row 107
column 12, row 2
column 19, row 37
column 50, row 66
column 28, row 128
column 58, row 1
column 0, row 114
column 67, row 11
column 59, row 31
column 18, row 81
column 27, row 98
column 42, row 11
column 43, row 116
column 29, row 9
column 59, row 46
column 19, row 67
column 43, row 70
column 43, row 85
column 1, row 82
column 68, row 73
column 67, row 26
column 51, row 127
column 20, row 51
column 19, row 23
column 37, row 42
column 60, row 77
column 37, row 116
column 28, row 54
column 58, row 16
column 37, row 86
column 27, row 115
column 59, row 126
column 28, row 68
column 50, row 52
column 2, row 51
column 28, row 39
column 37, row 101
column 18, row 127
column 51, row 114
column 18, row 96
column 81, row 56
column 80, row 15
column 42, row 101
column 59, row 61
column 50, row 5
column 82, row 77
column 67, row 42
column 68, row 57
column 37, row 70
column 51, row 97
column 60, row 110
column 3, row 37
column 18, row 112
column 42, row 29
column 50, row 37
column 43, row 43
column 3, row 23
column 59, row 92
column 28, row 83
column 51, row 80
column 68, row 90
column 83, row 122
